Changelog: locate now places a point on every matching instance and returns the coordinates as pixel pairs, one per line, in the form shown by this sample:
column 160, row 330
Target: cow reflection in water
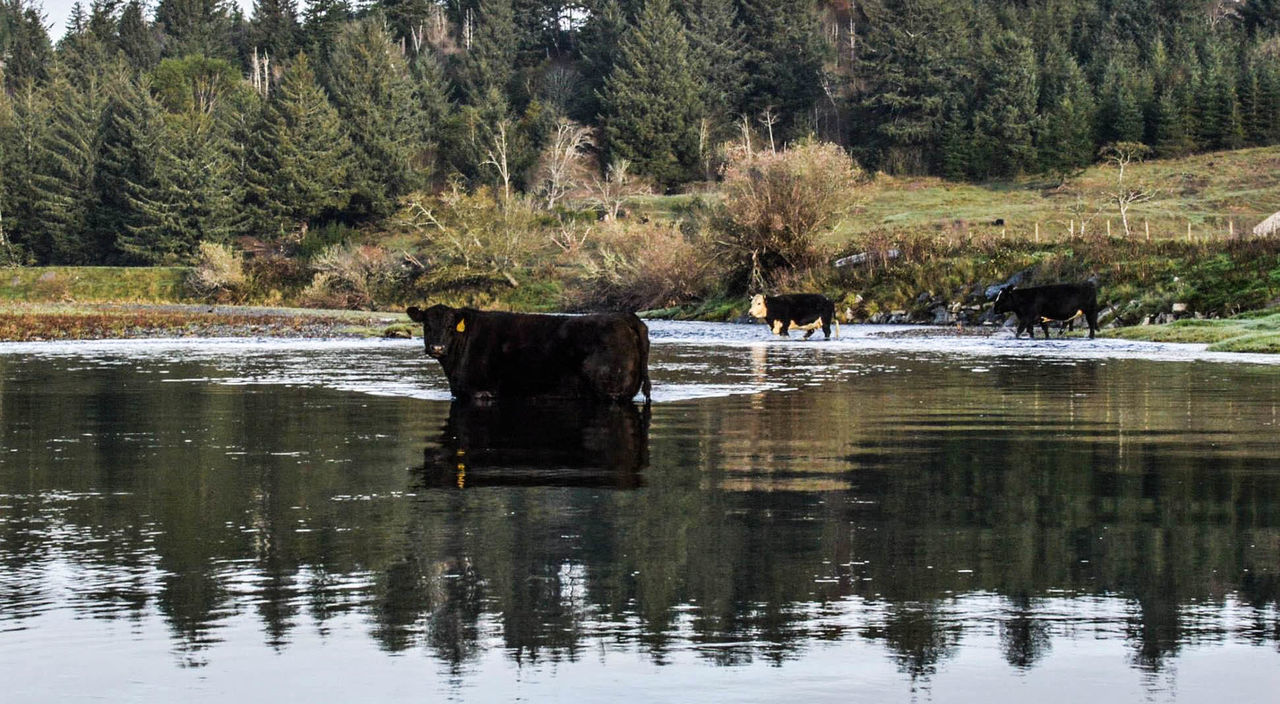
column 540, row 444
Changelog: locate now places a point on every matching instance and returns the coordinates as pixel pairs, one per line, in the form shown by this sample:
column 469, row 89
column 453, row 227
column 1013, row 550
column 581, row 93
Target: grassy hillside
column 1211, row 192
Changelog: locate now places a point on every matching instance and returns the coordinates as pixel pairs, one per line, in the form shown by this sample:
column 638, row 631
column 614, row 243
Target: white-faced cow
column 490, row 355
column 1038, row 305
column 796, row 311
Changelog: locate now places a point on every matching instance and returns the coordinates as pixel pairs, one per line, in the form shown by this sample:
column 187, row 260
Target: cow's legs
column 1091, row 317
column 780, row 328
column 809, row 333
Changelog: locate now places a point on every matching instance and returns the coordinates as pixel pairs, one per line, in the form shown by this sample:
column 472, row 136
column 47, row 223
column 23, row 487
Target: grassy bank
column 1250, row 332
column 96, row 284
column 924, row 250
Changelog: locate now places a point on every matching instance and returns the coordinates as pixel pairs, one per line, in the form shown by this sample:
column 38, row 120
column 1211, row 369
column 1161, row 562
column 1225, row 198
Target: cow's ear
column 415, row 314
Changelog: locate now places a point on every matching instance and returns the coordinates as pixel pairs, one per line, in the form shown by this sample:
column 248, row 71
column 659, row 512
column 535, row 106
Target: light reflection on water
column 937, row 519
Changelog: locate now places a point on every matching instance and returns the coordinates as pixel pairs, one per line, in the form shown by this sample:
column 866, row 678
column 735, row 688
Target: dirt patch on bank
column 33, row 322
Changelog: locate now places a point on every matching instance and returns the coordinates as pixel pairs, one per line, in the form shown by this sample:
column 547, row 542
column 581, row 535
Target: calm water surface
column 877, row 520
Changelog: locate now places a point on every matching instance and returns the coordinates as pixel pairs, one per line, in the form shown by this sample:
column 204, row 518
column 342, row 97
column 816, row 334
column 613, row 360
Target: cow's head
column 1004, row 300
column 442, row 326
column 757, row 309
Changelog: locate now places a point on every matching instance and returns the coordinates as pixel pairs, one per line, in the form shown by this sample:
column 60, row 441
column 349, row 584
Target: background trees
column 148, row 128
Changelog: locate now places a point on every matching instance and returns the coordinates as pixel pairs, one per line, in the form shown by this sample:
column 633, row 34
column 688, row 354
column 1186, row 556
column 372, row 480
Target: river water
column 913, row 519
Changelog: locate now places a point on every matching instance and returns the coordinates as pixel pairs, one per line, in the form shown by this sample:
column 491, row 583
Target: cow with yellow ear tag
column 489, row 355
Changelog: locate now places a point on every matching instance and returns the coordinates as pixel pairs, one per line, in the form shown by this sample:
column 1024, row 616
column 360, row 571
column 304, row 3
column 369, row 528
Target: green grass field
column 1213, row 193
column 95, row 284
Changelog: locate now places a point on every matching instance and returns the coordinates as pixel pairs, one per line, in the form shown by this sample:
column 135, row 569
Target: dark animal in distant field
column 1037, row 305
column 796, row 311
column 489, row 355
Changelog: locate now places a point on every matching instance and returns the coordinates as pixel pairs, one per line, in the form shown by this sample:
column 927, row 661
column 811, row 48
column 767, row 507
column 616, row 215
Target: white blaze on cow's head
column 441, row 327
column 757, row 306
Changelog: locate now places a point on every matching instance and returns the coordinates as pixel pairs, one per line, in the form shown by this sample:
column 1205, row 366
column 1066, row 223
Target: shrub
column 777, row 203
column 473, row 230
column 218, row 274
column 642, row 265
column 349, row 276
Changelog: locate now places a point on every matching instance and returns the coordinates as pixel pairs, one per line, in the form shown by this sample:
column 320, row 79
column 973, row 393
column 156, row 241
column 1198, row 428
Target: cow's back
column 530, row 355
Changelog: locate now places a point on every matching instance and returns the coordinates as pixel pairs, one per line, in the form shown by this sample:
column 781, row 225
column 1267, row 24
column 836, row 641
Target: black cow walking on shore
column 796, row 311
column 1037, row 305
column 490, row 355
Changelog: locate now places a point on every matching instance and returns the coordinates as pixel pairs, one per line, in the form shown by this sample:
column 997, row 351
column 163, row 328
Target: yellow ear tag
column 462, row 326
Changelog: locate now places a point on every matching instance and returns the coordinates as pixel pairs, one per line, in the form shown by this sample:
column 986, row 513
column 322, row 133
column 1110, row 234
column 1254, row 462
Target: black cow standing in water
column 1037, row 305
column 488, row 355
column 796, row 311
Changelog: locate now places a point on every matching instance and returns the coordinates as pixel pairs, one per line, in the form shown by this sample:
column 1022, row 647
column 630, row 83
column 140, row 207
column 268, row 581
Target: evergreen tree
column 86, row 48
column 274, row 29
column 1120, row 116
column 299, row 158
column 323, row 23
column 489, row 60
column 374, row 93
column 193, row 198
column 9, row 253
column 132, row 137
column 196, row 27
column 783, row 60
column 1220, row 123
column 1268, row 104
column 137, row 39
column 717, row 46
column 1260, row 17
column 25, row 50
column 66, row 160
column 959, row 157
column 598, row 42
column 438, row 127
column 915, row 75
column 405, row 16
column 651, row 105
column 1005, row 116
column 22, row 134
column 1172, row 135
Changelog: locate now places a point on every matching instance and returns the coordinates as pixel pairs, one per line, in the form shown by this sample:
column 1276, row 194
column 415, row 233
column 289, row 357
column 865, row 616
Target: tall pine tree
column 374, row 93
column 299, row 159
column 1005, row 118
column 717, row 51
column 490, row 58
column 915, row 74
column 132, row 137
column 651, row 105
column 783, row 60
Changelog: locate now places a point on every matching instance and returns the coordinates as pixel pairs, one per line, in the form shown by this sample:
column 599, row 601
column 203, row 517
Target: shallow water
column 919, row 519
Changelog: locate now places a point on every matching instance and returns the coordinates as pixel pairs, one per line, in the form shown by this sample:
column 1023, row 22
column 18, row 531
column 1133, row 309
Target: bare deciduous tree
column 498, row 155
column 611, row 192
column 769, row 118
column 561, row 163
column 1120, row 155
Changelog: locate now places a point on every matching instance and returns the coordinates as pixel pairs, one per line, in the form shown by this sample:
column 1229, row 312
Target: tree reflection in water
column 907, row 507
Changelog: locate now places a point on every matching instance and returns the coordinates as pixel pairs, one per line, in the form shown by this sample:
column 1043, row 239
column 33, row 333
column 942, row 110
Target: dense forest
column 145, row 131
